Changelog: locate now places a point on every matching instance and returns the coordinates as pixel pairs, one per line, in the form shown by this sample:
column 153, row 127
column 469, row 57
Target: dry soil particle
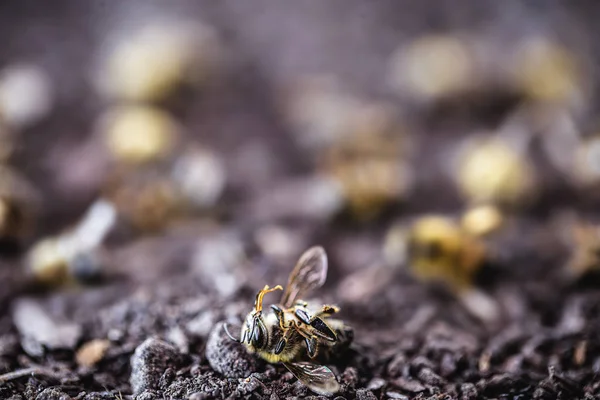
column 227, row 357
column 149, row 362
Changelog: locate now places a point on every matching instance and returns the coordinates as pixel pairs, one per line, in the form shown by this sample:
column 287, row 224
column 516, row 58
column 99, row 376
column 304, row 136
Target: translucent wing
column 309, row 274
column 317, row 378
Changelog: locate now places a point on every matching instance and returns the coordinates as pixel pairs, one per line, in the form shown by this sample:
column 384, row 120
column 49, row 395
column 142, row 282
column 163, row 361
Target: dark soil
column 161, row 315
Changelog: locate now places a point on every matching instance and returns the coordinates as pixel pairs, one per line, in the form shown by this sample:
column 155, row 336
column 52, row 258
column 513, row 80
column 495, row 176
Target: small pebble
column 148, row 363
column 365, row 394
column 409, row 385
column 396, row 395
column 482, row 220
column 248, row 385
column 201, row 177
column 279, row 242
column 320, row 111
column 433, row 67
column 219, row 260
column 376, row 384
column 39, row 330
column 26, row 95
column 427, row 376
column 147, row 395
column 350, row 376
column 468, row 391
column 139, row 134
column 177, row 336
column 52, row 394
column 100, row 396
column 493, row 170
column 315, row 198
column 92, row 352
column 199, row 396
column 202, row 324
column 228, row 357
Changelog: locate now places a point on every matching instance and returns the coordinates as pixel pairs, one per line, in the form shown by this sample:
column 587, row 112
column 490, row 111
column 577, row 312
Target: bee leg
column 317, row 323
column 311, row 346
column 328, row 310
column 325, row 331
column 287, row 332
column 303, row 315
column 225, row 327
column 280, row 345
column 279, row 314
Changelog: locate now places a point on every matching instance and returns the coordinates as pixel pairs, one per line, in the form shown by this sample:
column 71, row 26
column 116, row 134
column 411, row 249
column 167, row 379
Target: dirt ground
column 152, row 324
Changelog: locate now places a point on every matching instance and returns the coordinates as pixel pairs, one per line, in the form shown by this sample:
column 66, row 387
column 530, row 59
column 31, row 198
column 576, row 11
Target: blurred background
column 470, row 63
column 157, row 155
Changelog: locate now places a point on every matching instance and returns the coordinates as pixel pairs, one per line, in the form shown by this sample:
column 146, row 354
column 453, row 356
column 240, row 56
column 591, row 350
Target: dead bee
column 369, row 163
column 439, row 249
column 73, row 255
column 293, row 330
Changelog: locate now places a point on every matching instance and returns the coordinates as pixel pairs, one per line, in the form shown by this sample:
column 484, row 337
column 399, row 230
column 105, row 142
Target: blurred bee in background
column 495, row 169
column 432, row 68
column 146, row 199
column 438, row 69
column 358, row 146
column 369, row 163
column 154, row 197
column 137, row 135
column 439, row 249
column 547, row 71
column 436, row 248
column 155, row 180
column 153, row 63
column 294, row 330
column 74, row 255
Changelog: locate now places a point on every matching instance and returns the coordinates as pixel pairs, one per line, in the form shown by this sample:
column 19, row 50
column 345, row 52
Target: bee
column 369, row 163
column 439, row 249
column 75, row 253
column 294, row 333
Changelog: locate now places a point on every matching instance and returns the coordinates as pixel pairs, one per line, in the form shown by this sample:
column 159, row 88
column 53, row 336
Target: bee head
column 254, row 331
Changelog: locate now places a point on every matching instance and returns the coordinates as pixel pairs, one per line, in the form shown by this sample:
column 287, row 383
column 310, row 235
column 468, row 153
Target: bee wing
column 317, row 378
column 309, row 274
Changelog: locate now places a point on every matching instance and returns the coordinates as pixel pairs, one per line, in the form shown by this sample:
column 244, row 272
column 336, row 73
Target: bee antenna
column 225, row 327
column 259, row 297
